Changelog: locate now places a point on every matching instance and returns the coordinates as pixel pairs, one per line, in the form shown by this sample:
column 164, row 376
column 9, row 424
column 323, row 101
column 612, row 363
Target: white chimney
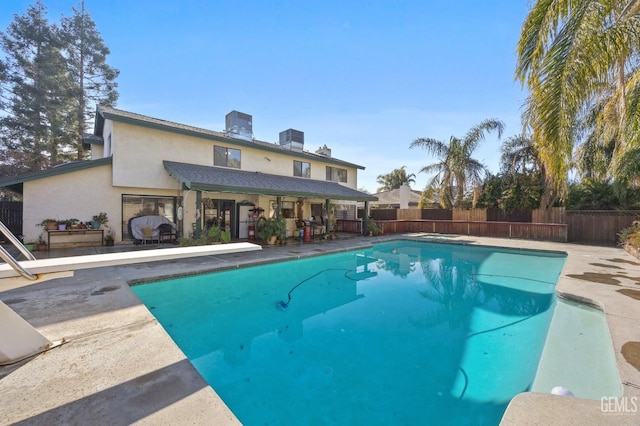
column 324, row 151
column 405, row 190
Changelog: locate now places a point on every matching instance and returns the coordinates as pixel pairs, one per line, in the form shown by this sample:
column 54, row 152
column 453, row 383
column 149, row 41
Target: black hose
column 282, row 305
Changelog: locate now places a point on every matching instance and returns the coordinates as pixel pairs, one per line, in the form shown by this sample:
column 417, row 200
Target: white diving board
column 46, row 269
column 19, row 340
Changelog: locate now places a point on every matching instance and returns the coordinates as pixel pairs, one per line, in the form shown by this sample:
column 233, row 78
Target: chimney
column 405, row 191
column 324, row 151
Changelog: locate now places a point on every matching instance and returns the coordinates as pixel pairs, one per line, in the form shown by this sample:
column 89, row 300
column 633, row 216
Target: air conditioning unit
column 292, row 140
column 239, row 125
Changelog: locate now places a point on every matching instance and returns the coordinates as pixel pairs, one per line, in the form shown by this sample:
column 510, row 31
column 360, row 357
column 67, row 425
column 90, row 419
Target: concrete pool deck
column 118, row 365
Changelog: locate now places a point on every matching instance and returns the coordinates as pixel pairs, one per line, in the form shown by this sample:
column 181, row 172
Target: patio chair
column 148, row 235
column 318, row 228
column 166, row 230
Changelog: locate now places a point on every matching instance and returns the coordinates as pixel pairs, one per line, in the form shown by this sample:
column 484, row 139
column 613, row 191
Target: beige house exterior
column 399, row 198
column 146, row 166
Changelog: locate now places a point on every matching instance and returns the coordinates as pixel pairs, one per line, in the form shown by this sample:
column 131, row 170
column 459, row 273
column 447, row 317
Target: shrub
column 630, row 235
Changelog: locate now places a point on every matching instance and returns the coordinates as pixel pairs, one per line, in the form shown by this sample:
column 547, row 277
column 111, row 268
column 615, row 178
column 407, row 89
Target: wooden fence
column 581, row 226
column 599, row 227
column 520, row 230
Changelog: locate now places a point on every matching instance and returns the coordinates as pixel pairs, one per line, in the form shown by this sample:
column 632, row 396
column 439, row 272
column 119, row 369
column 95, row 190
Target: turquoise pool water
column 401, row 333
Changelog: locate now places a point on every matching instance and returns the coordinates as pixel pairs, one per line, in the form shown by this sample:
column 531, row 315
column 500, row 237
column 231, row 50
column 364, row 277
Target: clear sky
column 365, row 78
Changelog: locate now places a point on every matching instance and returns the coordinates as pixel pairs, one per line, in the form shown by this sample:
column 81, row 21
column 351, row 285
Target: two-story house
column 192, row 176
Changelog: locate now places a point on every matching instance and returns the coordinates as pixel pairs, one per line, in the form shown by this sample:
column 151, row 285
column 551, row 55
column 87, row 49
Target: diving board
column 19, row 340
column 46, row 269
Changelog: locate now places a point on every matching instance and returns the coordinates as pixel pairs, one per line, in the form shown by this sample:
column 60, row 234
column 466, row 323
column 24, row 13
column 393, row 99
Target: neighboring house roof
column 15, row 183
column 392, row 197
column 218, row 179
column 105, row 112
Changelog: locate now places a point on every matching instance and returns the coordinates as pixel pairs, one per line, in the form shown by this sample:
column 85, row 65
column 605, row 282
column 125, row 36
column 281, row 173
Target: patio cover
column 218, row 179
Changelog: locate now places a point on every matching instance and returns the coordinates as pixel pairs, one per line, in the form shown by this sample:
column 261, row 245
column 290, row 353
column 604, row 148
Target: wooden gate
column 11, row 216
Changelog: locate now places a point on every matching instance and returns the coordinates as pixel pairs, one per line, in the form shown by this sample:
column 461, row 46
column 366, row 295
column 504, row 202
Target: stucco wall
column 78, row 195
column 138, row 153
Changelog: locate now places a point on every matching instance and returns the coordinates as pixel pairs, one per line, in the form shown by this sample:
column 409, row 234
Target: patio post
column 327, row 227
column 199, row 214
column 365, row 219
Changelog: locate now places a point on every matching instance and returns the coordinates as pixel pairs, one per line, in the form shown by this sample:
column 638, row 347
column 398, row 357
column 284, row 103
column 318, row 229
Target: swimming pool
column 404, row 333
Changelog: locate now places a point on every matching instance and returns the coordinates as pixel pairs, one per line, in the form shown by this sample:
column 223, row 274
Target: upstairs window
column 335, row 174
column 301, row 169
column 226, row 157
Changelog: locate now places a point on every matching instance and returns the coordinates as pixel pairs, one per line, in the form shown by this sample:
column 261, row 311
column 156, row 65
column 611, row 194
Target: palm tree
column 395, row 179
column 571, row 54
column 520, row 155
column 456, row 171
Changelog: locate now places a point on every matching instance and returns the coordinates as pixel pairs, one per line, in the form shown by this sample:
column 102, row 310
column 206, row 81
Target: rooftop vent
column 324, row 151
column 238, row 125
column 292, row 140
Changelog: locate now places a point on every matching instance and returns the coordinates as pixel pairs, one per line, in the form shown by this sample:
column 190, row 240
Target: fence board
column 519, row 230
column 471, row 215
column 384, row 214
column 550, row 215
column 599, row 227
column 350, row 226
column 499, row 215
column 437, row 214
column 409, row 214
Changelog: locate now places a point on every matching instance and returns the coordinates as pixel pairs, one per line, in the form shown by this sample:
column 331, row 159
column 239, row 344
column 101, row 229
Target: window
column 144, row 205
column 226, row 157
column 335, row 174
column 302, row 169
column 288, row 209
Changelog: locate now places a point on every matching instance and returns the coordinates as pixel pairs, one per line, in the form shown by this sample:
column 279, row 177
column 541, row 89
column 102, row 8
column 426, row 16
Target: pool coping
column 119, row 366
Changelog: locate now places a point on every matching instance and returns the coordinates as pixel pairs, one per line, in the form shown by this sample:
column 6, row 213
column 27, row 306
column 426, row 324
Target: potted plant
column 272, row 229
column 374, row 230
column 98, row 220
column 50, row 224
column 67, row 224
column 41, row 245
column 109, row 238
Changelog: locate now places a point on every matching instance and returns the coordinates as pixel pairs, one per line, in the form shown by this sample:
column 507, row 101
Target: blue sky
column 365, row 78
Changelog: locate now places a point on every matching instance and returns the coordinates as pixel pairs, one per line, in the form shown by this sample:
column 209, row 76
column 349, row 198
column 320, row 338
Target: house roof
column 393, row 197
column 15, row 183
column 219, row 179
column 105, row 112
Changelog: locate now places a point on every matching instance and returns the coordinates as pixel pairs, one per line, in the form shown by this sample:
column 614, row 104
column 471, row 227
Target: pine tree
column 33, row 131
column 94, row 80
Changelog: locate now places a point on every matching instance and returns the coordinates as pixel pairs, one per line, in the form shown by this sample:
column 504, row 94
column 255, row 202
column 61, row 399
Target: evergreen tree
column 94, row 80
column 36, row 78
